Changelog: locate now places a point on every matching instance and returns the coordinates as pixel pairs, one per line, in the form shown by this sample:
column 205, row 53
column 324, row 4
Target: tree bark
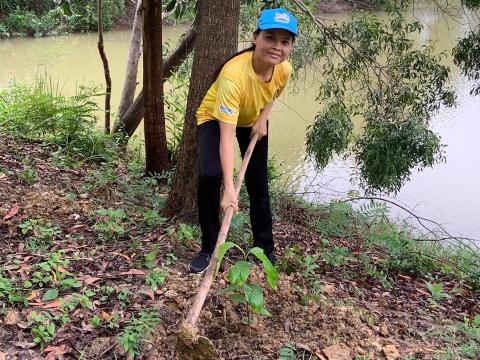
column 155, row 135
column 134, row 52
column 106, row 69
column 132, row 118
column 217, row 39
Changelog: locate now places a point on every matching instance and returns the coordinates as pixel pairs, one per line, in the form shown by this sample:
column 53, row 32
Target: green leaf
column 50, row 295
column 239, row 272
column 254, row 296
column 51, row 328
column 270, row 271
column 170, row 5
column 264, row 312
column 287, row 353
column 27, row 284
column 228, row 290
column 221, row 253
column 71, row 283
column 238, row 298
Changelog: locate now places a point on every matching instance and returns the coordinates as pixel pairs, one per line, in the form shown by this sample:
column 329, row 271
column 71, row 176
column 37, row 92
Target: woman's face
column 273, row 46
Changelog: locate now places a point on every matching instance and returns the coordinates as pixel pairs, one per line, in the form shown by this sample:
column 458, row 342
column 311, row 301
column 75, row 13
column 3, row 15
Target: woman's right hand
column 229, row 199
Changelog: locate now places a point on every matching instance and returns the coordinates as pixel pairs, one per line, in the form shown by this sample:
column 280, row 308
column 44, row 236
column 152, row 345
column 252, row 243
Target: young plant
column 171, row 259
column 10, row 293
column 124, row 296
column 240, row 290
column 43, row 328
column 152, row 219
column 28, row 175
column 110, row 223
column 40, row 234
column 155, row 279
column 137, row 330
column 436, row 293
column 337, row 257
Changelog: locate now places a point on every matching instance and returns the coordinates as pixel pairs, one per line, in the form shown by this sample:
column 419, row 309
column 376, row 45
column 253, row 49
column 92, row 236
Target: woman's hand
column 229, row 199
column 259, row 128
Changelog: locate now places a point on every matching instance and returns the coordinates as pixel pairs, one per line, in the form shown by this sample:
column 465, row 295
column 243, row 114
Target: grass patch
column 38, row 112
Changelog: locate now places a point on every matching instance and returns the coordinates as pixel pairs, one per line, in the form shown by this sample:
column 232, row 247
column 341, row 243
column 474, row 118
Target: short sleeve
column 227, row 104
column 287, row 72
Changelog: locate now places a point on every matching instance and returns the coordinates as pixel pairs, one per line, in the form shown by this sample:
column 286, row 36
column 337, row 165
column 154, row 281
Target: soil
column 346, row 313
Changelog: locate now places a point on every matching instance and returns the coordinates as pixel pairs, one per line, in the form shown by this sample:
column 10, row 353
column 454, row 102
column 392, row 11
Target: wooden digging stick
column 194, row 312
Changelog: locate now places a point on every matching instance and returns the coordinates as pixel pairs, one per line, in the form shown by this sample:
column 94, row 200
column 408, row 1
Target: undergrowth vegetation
column 40, row 112
column 49, row 18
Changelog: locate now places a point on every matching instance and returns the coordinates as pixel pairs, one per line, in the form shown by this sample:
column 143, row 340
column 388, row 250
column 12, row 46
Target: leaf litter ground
column 325, row 314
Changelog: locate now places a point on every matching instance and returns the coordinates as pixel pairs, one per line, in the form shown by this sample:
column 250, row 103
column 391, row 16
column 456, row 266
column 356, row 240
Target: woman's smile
column 272, row 47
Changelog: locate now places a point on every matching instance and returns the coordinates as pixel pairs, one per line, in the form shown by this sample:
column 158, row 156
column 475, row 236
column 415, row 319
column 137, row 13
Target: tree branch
column 132, row 118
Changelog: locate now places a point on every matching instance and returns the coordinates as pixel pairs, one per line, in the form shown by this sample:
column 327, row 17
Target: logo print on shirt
column 226, row 110
column 282, row 18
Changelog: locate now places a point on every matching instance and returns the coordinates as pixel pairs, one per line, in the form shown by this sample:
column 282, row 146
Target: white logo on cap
column 282, row 18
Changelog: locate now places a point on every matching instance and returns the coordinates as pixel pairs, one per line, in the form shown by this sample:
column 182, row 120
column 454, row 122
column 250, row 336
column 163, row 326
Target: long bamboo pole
column 199, row 300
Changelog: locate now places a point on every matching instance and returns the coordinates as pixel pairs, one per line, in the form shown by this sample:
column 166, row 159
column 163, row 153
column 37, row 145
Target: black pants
column 210, row 179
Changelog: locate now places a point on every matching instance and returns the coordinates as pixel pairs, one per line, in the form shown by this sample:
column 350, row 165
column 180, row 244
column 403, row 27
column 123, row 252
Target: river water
column 448, row 193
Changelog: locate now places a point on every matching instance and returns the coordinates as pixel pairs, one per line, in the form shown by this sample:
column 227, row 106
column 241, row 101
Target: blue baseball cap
column 278, row 19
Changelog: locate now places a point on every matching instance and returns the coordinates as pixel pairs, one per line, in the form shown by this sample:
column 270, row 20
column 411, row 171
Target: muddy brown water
column 448, row 193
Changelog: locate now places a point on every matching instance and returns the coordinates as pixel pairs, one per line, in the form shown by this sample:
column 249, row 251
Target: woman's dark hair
column 250, row 48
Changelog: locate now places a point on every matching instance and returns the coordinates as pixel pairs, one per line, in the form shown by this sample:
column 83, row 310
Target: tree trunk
column 155, row 136
column 106, row 70
column 132, row 118
column 134, row 52
column 217, row 39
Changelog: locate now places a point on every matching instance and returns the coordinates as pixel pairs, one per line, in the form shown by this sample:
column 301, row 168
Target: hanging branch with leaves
column 372, row 71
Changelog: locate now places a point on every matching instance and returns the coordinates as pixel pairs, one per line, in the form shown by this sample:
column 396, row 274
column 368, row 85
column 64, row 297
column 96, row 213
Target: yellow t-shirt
column 238, row 95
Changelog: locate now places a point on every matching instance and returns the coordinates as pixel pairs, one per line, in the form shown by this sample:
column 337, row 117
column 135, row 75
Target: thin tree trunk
column 155, row 135
column 106, row 70
column 132, row 118
column 134, row 52
column 217, row 39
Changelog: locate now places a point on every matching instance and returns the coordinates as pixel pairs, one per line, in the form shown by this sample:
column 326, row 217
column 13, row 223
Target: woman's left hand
column 259, row 128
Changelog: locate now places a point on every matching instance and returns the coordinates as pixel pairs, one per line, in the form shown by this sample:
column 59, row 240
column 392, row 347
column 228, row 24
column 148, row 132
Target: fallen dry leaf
column 105, row 316
column 391, row 352
column 12, row 317
column 33, row 296
column 25, row 344
column 89, row 280
column 2, row 356
column 149, row 292
column 122, row 255
column 337, row 352
column 53, row 305
column 76, row 227
column 133, row 272
column 55, row 351
column 13, row 211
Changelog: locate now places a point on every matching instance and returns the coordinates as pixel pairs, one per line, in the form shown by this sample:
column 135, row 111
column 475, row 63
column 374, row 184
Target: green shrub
column 84, row 14
column 22, row 21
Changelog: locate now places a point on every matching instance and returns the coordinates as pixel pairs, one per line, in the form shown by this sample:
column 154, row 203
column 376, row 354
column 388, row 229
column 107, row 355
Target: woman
column 238, row 104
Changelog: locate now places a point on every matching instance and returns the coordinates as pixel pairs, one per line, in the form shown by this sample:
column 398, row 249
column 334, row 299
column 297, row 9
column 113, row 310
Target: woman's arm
column 227, row 159
column 260, row 126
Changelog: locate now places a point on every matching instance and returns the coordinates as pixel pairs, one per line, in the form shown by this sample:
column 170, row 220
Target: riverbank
column 17, row 22
column 90, row 269
column 46, row 19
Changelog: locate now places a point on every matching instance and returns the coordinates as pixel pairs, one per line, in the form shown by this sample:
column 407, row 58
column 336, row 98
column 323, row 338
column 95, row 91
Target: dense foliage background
column 51, row 17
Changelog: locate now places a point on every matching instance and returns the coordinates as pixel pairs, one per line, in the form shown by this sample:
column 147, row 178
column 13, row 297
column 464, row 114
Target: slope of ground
column 65, row 260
